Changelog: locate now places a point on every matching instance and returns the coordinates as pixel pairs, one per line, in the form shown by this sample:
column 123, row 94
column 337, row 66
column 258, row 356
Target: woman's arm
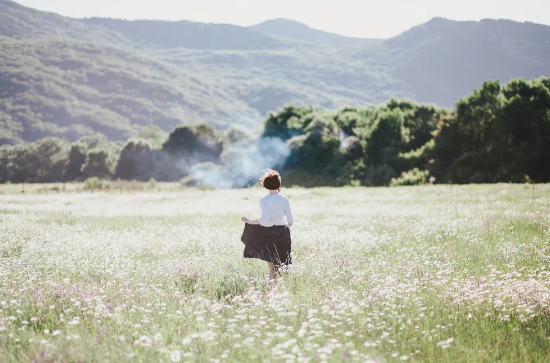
column 246, row 220
column 264, row 220
column 288, row 214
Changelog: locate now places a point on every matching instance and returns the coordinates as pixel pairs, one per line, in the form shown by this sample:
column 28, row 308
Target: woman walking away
column 268, row 237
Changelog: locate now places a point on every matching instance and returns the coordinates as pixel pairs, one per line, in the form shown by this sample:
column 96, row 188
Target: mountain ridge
column 69, row 77
column 186, row 34
column 291, row 29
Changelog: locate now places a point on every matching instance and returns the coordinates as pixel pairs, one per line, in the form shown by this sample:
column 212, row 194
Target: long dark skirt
column 271, row 244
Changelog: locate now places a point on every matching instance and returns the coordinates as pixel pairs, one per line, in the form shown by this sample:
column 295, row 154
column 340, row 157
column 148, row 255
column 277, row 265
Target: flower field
column 428, row 274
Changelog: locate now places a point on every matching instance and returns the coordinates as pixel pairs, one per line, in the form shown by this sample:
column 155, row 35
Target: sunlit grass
column 437, row 273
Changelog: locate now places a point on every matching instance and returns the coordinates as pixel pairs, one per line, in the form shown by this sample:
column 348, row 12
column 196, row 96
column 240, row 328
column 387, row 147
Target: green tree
column 187, row 146
column 77, row 159
column 472, row 129
column 154, row 135
column 286, row 123
column 100, row 164
column 386, row 137
column 135, row 161
column 524, row 132
column 200, row 142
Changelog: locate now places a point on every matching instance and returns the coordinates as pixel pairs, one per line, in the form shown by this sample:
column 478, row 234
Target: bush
column 379, row 175
column 466, row 166
column 153, row 184
column 135, row 161
column 188, row 146
column 412, row 177
column 94, row 183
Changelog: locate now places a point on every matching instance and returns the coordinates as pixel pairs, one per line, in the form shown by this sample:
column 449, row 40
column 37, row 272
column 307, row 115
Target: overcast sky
column 358, row 18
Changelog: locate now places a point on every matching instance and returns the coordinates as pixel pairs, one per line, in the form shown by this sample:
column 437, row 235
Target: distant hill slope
column 291, row 29
column 70, row 89
column 69, row 78
column 189, row 34
column 442, row 60
column 19, row 22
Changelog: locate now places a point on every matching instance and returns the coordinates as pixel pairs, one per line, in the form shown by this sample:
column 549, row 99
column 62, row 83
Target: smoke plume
column 242, row 162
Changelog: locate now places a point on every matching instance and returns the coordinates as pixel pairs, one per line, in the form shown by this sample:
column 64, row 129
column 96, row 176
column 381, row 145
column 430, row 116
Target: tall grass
column 431, row 274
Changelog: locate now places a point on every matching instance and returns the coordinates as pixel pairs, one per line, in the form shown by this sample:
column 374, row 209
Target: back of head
column 271, row 180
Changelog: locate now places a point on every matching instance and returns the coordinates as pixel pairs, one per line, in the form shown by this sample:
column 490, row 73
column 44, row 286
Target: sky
column 354, row 18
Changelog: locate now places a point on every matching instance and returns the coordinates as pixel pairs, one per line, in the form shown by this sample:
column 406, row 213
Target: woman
column 268, row 237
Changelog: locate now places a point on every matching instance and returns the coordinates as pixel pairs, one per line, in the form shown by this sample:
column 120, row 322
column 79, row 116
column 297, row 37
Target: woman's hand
column 250, row 221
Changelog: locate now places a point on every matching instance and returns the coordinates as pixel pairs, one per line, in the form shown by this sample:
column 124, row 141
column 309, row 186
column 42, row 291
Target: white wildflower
column 175, row 356
column 186, row 341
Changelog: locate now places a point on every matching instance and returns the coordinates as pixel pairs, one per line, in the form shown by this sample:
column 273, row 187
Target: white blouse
column 274, row 208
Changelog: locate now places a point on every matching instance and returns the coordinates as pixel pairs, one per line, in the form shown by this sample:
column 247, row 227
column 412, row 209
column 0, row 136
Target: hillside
column 442, row 60
column 20, row 22
column 69, row 89
column 290, row 29
column 189, row 34
column 69, row 78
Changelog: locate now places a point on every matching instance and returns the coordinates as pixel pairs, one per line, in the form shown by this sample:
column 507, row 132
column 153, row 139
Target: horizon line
column 281, row 19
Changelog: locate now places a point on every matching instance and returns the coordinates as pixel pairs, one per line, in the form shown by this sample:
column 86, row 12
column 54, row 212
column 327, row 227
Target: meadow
column 429, row 274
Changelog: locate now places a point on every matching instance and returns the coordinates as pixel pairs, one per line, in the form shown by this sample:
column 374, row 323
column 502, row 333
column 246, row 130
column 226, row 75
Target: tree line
column 496, row 134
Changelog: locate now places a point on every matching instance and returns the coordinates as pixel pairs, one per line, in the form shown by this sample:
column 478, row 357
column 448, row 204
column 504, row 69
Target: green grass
column 430, row 274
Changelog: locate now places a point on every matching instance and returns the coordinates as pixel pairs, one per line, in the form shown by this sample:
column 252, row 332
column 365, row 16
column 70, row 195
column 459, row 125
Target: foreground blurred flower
column 144, row 340
column 186, row 341
column 444, row 344
column 175, row 356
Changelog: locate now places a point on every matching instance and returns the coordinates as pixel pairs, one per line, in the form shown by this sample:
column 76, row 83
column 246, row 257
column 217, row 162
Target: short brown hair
column 271, row 180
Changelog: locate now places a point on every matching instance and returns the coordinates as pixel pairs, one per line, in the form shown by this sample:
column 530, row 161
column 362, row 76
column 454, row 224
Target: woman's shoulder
column 283, row 197
column 265, row 198
column 273, row 196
